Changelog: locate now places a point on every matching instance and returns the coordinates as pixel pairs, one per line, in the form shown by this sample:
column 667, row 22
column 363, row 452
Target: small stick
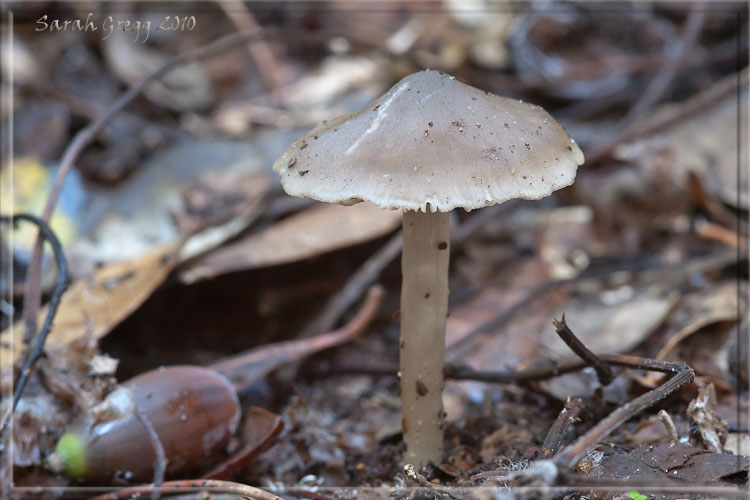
column 603, row 370
column 61, row 285
column 304, row 493
column 569, row 456
column 669, row 424
column 160, row 463
column 708, row 203
column 259, row 50
column 245, row 368
column 192, row 486
column 568, row 415
column 721, row 89
column 668, row 486
column 411, row 473
column 84, row 137
column 496, row 377
column 718, row 233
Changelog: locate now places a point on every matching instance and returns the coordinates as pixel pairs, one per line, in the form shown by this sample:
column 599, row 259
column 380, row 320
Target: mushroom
column 429, row 145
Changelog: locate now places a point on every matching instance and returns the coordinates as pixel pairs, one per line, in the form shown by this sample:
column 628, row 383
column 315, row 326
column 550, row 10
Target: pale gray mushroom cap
column 432, row 139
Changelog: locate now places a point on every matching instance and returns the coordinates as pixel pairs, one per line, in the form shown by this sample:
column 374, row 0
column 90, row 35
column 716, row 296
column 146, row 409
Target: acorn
column 193, row 410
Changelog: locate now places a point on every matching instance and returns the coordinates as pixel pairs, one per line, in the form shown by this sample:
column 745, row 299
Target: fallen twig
column 160, row 462
column 603, row 370
column 61, row 285
column 550, row 471
column 411, row 473
column 682, row 374
column 568, row 415
column 191, row 486
column 259, row 50
column 717, row 233
column 669, row 425
column 352, row 290
column 245, row 368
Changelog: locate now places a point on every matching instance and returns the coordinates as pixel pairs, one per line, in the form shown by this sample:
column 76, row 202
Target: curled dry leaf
column 315, row 231
column 211, row 186
column 94, row 304
column 697, row 312
column 258, row 432
column 706, row 145
column 711, row 427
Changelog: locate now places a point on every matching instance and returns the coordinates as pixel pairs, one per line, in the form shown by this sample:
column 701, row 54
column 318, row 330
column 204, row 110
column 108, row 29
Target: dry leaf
column 506, row 345
column 711, row 427
column 216, row 185
column 705, row 144
column 697, row 312
column 258, row 432
column 317, row 230
column 94, row 304
column 614, row 323
column 683, row 463
column 702, row 309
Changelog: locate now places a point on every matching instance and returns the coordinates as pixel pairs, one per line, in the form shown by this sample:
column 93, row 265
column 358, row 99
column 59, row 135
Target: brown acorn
column 193, row 410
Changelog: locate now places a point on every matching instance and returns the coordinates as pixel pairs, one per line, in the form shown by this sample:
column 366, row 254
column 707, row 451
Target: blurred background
column 191, row 251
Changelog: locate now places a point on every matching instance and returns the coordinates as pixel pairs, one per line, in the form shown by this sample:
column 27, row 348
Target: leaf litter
column 625, row 254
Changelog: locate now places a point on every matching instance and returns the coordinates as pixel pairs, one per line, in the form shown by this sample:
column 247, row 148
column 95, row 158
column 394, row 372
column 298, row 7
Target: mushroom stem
column 424, row 307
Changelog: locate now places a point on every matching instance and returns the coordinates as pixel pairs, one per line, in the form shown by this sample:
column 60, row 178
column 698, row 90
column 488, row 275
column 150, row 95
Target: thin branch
column 61, row 285
column 160, row 462
column 411, row 473
column 568, row 415
column 669, row 425
column 259, row 50
column 683, row 374
column 690, row 266
column 603, row 370
column 245, row 368
column 720, row 90
column 192, row 486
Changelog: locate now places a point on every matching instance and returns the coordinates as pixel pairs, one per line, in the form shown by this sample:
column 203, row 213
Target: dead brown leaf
column 94, row 304
column 706, row 145
column 666, row 461
column 317, row 230
column 711, row 427
column 696, row 313
column 258, row 432
column 614, row 322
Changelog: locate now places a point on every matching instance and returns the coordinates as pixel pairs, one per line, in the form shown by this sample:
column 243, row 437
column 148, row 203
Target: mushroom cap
column 432, row 143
